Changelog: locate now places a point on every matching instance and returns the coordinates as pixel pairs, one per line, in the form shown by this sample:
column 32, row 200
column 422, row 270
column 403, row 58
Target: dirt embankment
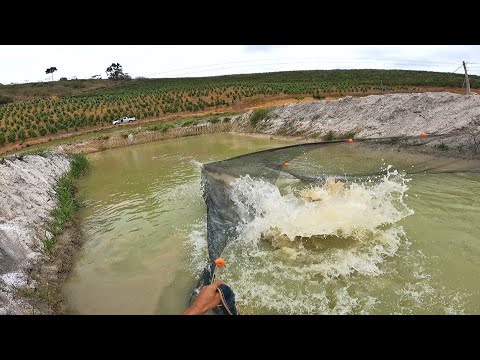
column 374, row 116
column 380, row 116
column 261, row 101
column 27, row 195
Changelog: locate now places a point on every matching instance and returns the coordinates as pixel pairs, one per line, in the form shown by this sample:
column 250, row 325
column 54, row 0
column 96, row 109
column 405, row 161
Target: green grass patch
column 349, row 135
column 37, row 151
column 67, row 201
column 40, row 293
column 393, row 141
column 47, row 245
column 167, row 126
column 443, row 146
column 192, row 122
column 329, row 136
column 164, row 127
column 23, row 291
column 103, row 137
column 258, row 115
column 79, row 165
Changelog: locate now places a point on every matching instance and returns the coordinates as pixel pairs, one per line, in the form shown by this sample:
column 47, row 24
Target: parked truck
column 124, row 119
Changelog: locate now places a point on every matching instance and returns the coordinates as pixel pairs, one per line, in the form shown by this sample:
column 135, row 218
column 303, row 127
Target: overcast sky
column 27, row 63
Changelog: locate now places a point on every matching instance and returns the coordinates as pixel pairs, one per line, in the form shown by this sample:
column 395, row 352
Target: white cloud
column 20, row 63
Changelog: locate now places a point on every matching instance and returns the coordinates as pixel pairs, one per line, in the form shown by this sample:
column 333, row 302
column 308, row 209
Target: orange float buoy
column 285, row 164
column 219, row 262
column 422, row 134
column 350, row 141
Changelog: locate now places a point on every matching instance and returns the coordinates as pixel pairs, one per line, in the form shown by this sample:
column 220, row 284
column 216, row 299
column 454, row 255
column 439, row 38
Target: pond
column 417, row 247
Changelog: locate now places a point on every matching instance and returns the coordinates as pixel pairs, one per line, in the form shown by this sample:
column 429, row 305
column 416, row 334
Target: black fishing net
column 308, row 163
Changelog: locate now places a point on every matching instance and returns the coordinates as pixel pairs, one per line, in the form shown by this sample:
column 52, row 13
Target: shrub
column 190, row 123
column 52, row 129
column 349, row 135
column 165, row 127
column 330, row 136
column 443, row 146
column 213, row 120
column 11, row 136
column 154, row 127
column 78, row 165
column 22, row 135
column 5, row 99
column 258, row 115
column 160, row 127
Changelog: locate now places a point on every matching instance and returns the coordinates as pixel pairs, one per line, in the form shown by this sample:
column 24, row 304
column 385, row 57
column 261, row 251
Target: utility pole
column 466, row 79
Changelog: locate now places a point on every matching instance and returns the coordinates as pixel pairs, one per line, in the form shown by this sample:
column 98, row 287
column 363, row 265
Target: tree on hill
column 115, row 72
column 51, row 71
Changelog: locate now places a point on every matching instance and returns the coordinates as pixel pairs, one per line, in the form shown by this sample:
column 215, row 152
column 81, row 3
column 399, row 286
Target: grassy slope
column 20, row 92
column 31, row 91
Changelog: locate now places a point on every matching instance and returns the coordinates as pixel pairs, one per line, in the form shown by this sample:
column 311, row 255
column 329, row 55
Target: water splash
column 196, row 245
column 299, row 248
column 335, row 208
column 332, row 248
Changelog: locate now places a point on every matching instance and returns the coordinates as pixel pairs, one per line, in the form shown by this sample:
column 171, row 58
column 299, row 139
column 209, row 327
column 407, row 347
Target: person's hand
column 207, row 299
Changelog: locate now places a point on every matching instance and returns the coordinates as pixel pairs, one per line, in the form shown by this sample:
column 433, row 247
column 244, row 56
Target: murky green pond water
column 144, row 231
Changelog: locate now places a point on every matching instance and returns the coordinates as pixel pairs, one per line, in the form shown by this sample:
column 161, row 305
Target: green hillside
column 38, row 109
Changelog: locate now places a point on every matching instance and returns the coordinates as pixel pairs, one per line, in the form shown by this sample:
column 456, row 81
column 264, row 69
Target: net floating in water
column 298, row 163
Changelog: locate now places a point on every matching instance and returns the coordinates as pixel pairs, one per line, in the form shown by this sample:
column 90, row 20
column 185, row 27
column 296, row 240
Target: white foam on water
column 196, row 243
column 296, row 280
column 367, row 267
column 351, row 210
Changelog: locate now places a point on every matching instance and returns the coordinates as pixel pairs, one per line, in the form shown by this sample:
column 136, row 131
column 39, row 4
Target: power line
column 433, row 63
column 457, row 68
column 293, row 63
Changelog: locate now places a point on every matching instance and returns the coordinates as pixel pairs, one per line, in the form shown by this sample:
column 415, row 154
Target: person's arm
column 207, row 299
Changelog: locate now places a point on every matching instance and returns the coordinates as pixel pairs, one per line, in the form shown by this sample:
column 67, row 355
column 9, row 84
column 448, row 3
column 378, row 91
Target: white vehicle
column 125, row 119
